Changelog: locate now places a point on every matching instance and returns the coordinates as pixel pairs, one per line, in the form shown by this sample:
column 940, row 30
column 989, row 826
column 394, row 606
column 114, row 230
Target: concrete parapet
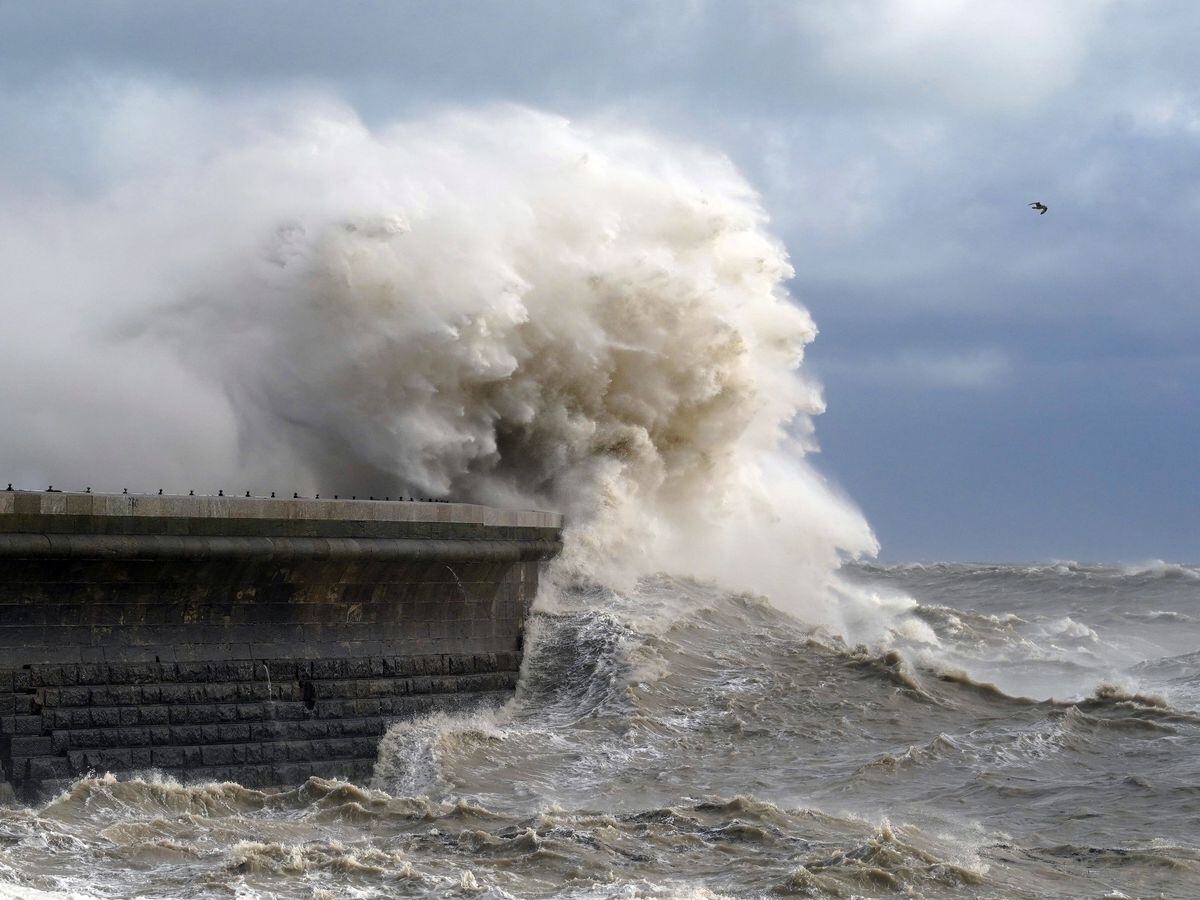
column 63, row 503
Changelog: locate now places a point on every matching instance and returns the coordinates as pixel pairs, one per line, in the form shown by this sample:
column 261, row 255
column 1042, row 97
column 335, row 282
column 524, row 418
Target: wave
column 446, row 846
column 891, row 665
column 410, row 751
column 921, row 682
column 891, row 859
column 1176, row 673
column 1158, row 615
column 1133, row 704
column 87, row 795
column 257, row 857
column 1076, row 718
column 1157, row 568
column 165, row 796
column 1175, row 859
column 941, row 747
column 984, row 689
column 1105, row 696
column 495, row 305
column 1111, row 694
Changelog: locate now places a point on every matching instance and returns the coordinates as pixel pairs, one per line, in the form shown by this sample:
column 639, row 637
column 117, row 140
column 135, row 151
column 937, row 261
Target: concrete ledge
column 63, row 503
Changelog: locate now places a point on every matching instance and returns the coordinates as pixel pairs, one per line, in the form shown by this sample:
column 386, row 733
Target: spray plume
column 496, row 306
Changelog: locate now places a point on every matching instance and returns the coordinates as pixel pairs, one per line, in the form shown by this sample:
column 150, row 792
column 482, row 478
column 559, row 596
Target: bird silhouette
column 1040, row 207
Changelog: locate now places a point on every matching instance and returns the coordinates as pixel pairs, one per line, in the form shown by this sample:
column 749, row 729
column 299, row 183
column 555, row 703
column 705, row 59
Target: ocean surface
column 1002, row 731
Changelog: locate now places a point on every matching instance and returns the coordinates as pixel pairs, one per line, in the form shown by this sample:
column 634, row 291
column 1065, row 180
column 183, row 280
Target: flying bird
column 1040, row 207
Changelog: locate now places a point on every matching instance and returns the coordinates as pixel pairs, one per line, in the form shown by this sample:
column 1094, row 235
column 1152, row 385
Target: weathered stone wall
column 258, row 722
column 170, row 602
column 242, row 640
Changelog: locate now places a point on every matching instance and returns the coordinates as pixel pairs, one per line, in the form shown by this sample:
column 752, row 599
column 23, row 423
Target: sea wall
column 258, row 640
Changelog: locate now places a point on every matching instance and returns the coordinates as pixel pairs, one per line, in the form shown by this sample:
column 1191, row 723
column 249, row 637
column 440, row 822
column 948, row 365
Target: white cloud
column 1167, row 114
column 1006, row 56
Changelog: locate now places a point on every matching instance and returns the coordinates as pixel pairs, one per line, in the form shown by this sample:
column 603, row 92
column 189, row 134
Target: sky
column 999, row 385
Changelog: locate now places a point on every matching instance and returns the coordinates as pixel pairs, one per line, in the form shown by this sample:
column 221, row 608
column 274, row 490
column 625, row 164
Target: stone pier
column 247, row 639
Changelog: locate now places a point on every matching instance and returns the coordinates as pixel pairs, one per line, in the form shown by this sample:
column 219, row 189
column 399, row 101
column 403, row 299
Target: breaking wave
column 495, row 305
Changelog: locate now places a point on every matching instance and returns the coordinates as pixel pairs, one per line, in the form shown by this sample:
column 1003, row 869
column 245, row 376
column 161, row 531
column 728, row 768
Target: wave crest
column 505, row 307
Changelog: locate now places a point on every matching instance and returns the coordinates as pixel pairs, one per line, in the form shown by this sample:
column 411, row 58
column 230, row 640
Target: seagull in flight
column 1040, row 207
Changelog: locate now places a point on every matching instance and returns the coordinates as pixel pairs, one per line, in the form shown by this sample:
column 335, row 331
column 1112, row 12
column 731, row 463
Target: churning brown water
column 1017, row 732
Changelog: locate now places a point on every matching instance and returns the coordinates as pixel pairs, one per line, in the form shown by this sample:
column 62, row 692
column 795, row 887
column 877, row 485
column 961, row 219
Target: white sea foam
column 1069, row 628
column 409, row 754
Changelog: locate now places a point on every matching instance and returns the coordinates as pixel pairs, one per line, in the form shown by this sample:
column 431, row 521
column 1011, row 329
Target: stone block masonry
column 243, row 639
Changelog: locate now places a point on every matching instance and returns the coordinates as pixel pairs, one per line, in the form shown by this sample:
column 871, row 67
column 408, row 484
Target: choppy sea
column 1009, row 731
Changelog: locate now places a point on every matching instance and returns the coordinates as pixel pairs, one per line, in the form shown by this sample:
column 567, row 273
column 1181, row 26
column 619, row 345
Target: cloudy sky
column 999, row 385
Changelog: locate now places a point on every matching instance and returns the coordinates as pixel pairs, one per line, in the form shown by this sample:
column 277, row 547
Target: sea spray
column 496, row 305
column 506, row 307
